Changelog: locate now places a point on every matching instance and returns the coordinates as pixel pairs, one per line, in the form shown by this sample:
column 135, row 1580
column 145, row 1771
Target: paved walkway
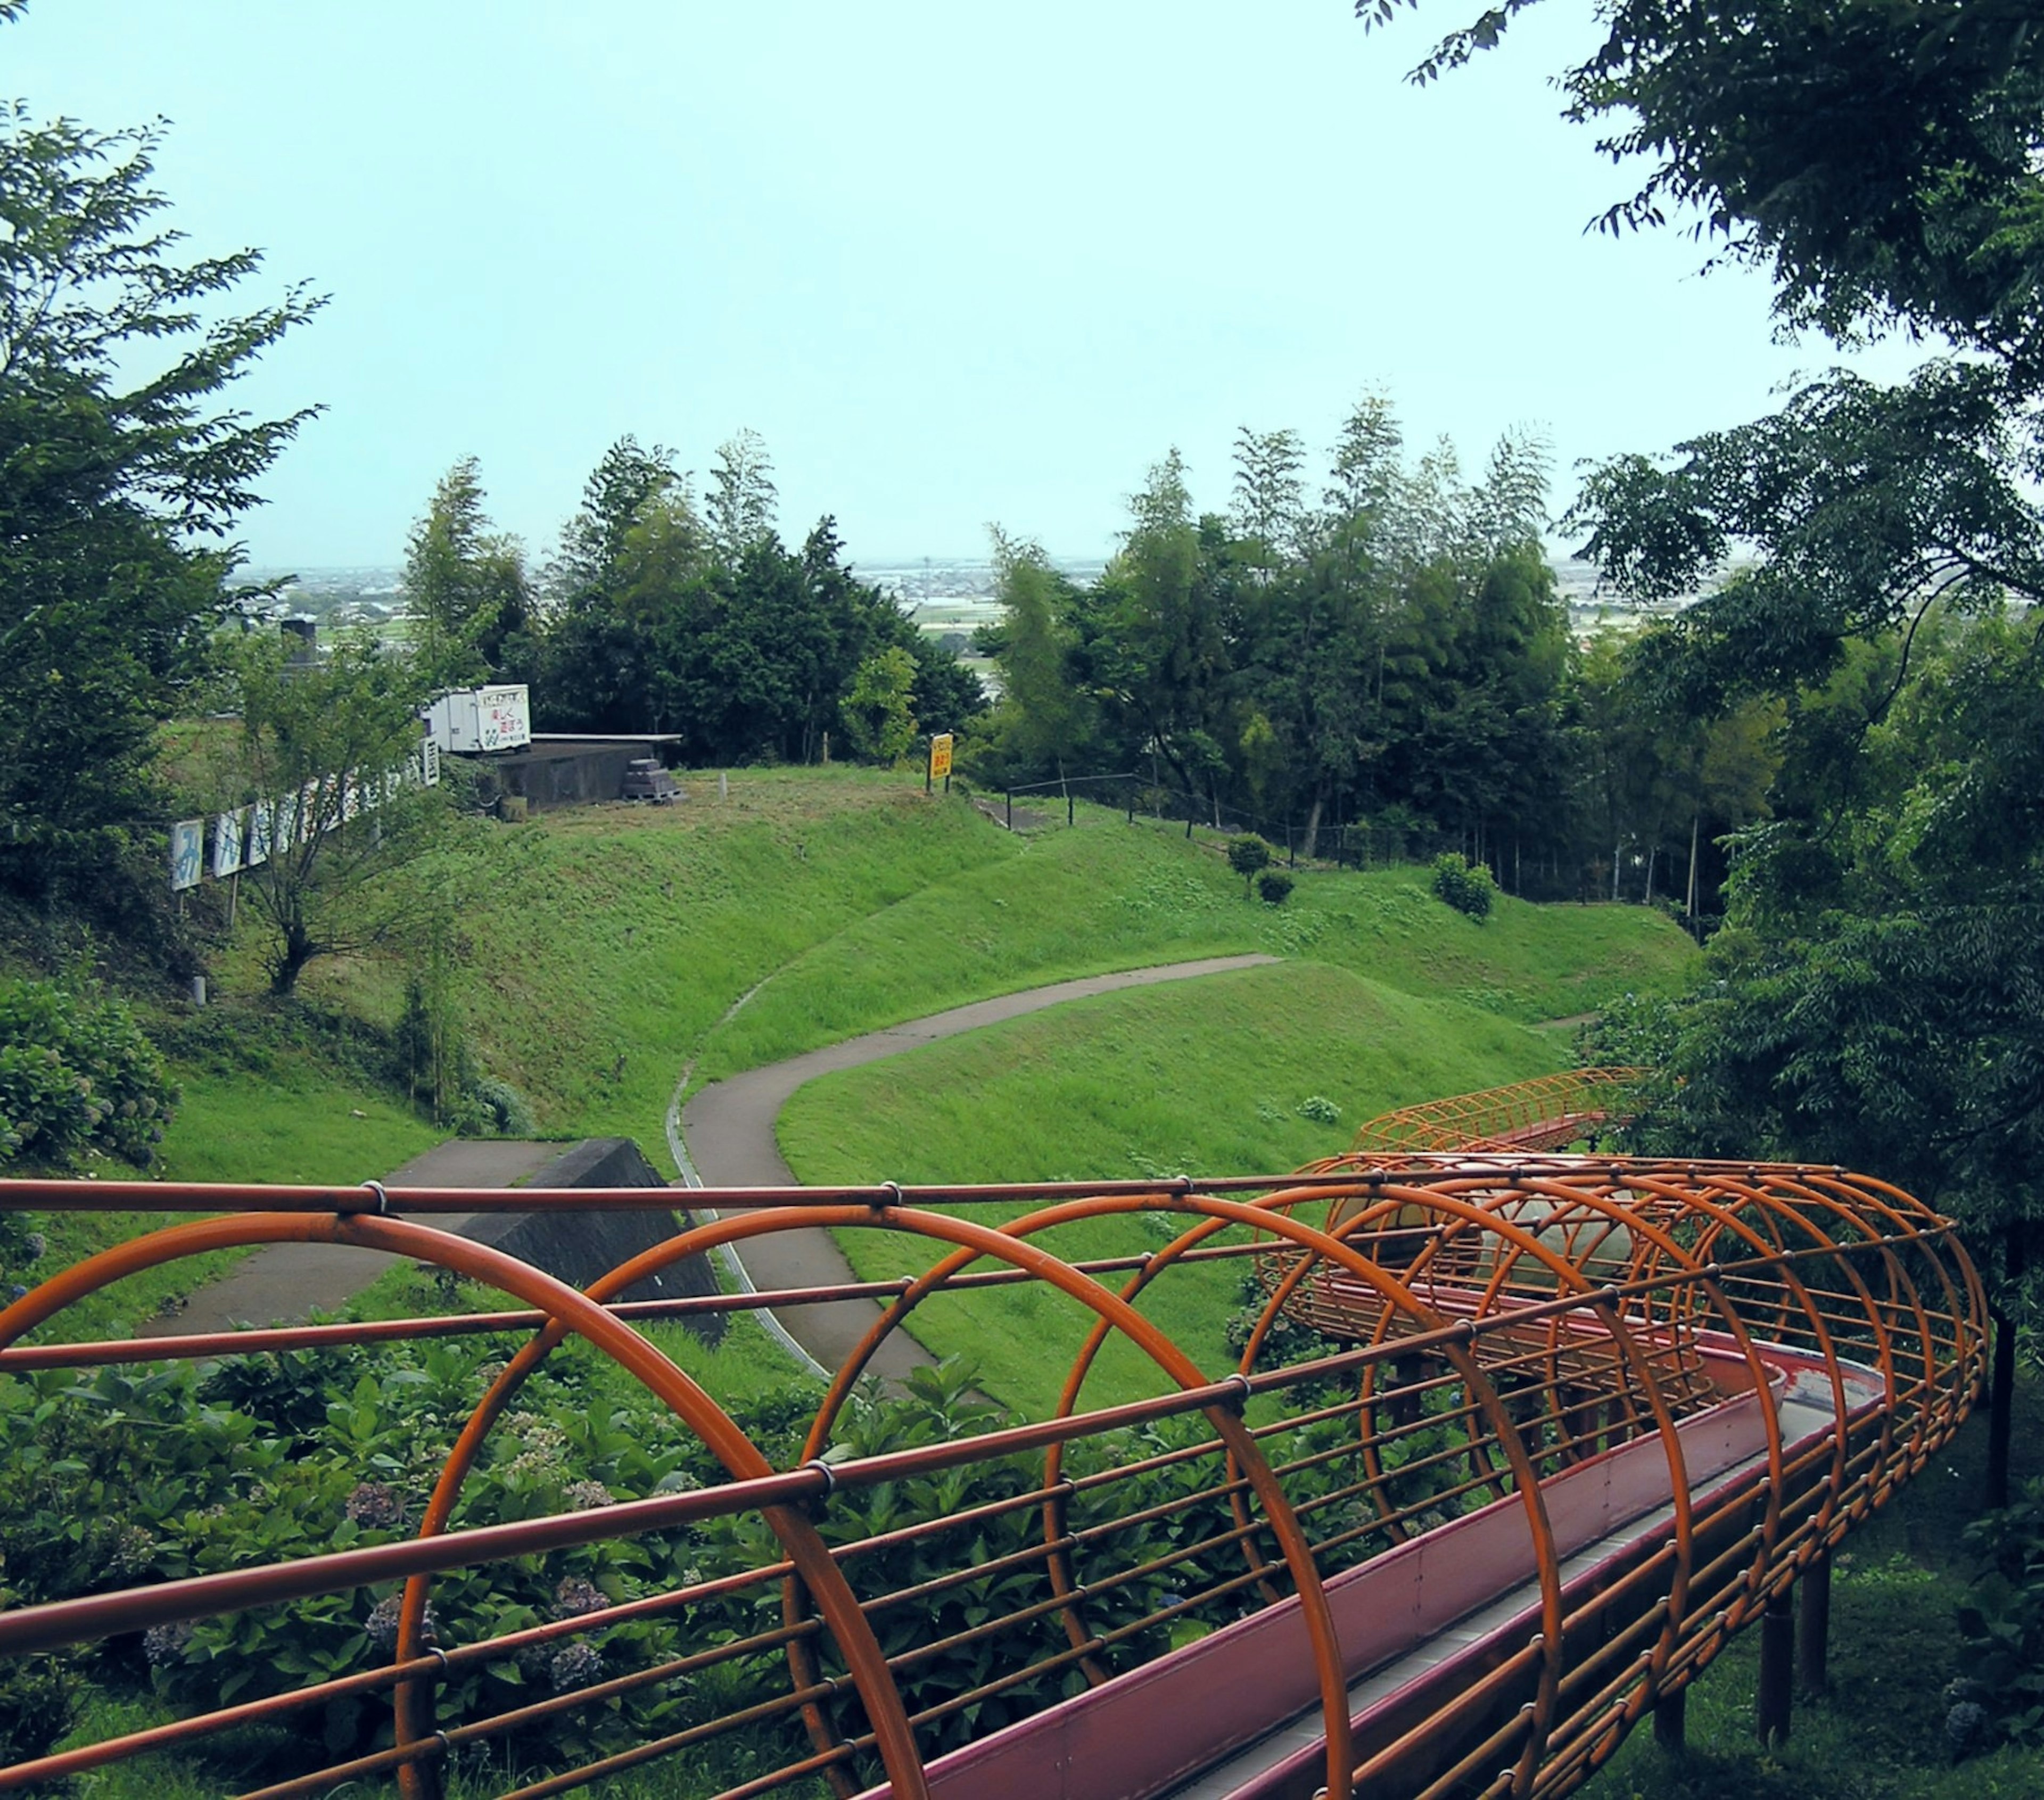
column 728, row 1129
column 287, row 1282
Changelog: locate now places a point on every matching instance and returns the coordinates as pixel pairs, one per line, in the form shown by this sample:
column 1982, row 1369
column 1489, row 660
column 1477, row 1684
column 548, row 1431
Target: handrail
column 1505, row 1338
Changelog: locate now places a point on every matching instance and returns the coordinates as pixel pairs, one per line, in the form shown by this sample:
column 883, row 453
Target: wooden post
column 1813, row 1623
column 1011, row 809
column 1776, row 1700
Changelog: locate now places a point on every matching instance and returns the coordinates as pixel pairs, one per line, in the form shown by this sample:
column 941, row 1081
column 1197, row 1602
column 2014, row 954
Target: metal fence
column 1511, row 1446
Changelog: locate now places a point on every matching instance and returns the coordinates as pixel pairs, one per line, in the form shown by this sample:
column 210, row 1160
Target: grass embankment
column 603, row 946
column 611, row 939
column 1202, row 1078
column 1103, row 897
column 1387, row 997
column 607, row 945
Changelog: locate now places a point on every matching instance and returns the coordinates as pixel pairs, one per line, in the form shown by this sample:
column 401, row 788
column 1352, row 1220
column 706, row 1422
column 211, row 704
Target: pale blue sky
column 956, row 262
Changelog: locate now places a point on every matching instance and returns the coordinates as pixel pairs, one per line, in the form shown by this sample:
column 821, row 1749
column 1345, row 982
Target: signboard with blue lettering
column 187, row 853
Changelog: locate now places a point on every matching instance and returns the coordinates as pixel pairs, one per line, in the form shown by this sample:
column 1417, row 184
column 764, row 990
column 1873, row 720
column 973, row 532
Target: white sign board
column 504, row 718
column 228, row 831
column 187, row 853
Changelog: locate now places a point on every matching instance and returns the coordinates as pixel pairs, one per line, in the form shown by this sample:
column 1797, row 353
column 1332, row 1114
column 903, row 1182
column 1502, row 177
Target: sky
column 958, row 264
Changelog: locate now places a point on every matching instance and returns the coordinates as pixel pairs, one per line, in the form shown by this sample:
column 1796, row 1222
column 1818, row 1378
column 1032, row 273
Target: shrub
column 1275, row 886
column 1466, row 886
column 2001, row 1660
column 496, row 1109
column 38, row 1702
column 1319, row 1109
column 1247, row 854
column 433, row 1056
column 76, row 1073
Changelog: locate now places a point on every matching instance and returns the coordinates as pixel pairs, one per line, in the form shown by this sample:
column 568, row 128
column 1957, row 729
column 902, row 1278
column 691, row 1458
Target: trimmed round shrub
column 1275, row 886
column 1466, row 886
column 1247, row 854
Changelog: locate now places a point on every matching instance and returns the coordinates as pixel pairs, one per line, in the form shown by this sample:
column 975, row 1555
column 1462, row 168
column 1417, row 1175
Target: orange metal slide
column 1515, row 1441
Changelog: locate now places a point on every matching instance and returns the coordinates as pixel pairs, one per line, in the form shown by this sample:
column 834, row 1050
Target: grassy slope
column 1388, row 998
column 618, row 938
column 612, row 943
column 1104, row 897
column 1204, row 1077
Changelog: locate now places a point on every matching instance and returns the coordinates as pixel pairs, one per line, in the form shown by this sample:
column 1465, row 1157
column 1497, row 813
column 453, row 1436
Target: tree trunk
column 2001, row 1399
column 1617, row 860
column 1652, row 851
column 292, row 956
column 1313, row 843
column 1690, row 904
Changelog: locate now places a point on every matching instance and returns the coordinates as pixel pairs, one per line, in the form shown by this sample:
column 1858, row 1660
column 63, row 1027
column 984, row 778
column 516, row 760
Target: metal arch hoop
column 570, row 1311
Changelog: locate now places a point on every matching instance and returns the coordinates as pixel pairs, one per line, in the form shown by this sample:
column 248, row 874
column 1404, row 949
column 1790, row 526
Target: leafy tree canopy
column 1881, row 160
column 122, row 475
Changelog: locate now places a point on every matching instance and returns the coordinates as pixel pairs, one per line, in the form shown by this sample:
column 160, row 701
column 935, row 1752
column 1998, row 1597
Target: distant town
column 945, row 595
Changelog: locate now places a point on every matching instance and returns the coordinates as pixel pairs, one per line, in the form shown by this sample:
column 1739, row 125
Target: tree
column 1045, row 717
column 1269, row 491
column 584, row 572
column 1880, row 161
column 1872, row 994
column 742, row 496
column 1246, row 856
column 1158, row 633
column 879, row 714
column 466, row 583
column 323, row 753
column 121, row 477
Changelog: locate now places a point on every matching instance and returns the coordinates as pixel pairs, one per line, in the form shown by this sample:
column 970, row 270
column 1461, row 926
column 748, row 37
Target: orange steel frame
column 1492, row 1325
column 1549, row 1112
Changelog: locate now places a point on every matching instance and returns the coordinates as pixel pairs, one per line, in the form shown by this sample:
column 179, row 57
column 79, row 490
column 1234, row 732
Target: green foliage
column 327, row 746
column 279, row 1457
column 1319, row 1109
column 1275, row 886
column 466, row 585
column 1047, row 720
column 499, row 1108
column 1246, row 855
column 1466, row 886
column 430, row 1052
column 1922, row 204
column 2002, row 1626
column 271, row 1457
column 879, row 716
column 704, row 624
column 1400, row 645
column 77, row 1075
column 38, row 1699
column 117, row 465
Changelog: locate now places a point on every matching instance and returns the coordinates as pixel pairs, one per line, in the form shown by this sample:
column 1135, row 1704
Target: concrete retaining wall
column 577, row 1249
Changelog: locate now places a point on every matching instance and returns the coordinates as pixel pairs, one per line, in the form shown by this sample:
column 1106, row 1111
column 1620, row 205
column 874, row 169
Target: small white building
column 471, row 720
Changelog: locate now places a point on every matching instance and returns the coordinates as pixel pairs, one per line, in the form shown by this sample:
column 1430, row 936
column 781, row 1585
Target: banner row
column 225, row 843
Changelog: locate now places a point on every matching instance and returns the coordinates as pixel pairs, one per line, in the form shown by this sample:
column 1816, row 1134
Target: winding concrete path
column 289, row 1282
column 728, row 1131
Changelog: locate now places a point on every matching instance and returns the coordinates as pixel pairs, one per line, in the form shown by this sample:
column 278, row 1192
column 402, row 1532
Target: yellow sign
column 940, row 758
